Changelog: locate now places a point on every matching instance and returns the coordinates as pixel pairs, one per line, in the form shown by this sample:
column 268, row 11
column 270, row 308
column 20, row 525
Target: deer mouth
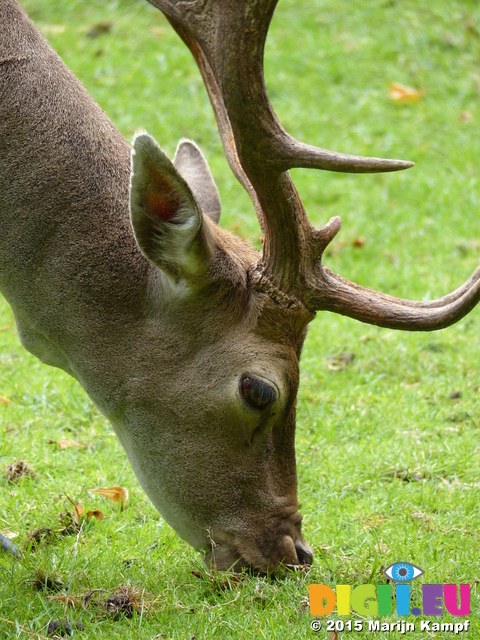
column 265, row 554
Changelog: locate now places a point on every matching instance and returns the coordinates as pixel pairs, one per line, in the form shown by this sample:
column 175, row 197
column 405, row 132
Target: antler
column 227, row 40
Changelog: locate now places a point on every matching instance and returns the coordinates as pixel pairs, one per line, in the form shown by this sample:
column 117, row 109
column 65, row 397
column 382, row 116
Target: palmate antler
column 227, row 39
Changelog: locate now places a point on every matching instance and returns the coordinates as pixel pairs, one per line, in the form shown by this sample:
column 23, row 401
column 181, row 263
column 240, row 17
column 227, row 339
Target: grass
column 388, row 441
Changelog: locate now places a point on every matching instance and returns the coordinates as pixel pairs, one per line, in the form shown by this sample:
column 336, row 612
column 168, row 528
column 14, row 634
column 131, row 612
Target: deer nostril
column 304, row 553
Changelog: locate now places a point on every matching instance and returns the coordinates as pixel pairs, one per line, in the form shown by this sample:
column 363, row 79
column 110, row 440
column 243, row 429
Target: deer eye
column 257, row 393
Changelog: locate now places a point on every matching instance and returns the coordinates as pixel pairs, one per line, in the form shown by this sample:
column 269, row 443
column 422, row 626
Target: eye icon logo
column 403, row 572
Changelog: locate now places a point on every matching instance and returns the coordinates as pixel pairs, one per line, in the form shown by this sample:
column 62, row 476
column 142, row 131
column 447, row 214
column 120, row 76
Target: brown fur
column 159, row 335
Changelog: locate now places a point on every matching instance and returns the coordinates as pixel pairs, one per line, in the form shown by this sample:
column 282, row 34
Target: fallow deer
column 184, row 336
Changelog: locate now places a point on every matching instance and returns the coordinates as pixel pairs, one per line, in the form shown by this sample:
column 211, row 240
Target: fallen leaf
column 5, row 400
column 65, row 444
column 359, row 242
column 8, row 534
column 7, row 326
column 95, row 513
column 78, row 509
column 402, row 94
column 72, row 519
column 117, row 494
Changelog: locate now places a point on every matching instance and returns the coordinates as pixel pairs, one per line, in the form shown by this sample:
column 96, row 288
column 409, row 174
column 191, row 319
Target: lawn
column 388, row 423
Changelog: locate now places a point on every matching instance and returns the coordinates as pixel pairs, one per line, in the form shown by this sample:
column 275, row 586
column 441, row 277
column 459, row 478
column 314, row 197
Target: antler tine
column 227, row 39
column 347, row 298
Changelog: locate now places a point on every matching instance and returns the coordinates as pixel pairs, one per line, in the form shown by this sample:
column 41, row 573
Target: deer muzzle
column 278, row 545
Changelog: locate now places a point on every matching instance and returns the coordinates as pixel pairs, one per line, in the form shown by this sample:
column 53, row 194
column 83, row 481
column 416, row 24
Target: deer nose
column 304, row 553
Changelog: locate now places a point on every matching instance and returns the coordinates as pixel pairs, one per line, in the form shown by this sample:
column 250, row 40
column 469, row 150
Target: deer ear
column 193, row 167
column 165, row 216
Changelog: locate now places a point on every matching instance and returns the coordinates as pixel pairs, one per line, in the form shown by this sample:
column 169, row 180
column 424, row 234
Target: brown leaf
column 78, row 509
column 359, row 242
column 7, row 326
column 402, row 94
column 197, row 574
column 95, row 513
column 73, row 518
column 232, row 582
column 5, row 400
column 117, row 494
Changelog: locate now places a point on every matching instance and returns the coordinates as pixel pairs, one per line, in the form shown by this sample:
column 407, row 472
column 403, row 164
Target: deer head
column 183, row 335
column 278, row 293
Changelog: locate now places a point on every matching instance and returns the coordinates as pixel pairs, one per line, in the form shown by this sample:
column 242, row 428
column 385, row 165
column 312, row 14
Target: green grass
column 388, row 446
